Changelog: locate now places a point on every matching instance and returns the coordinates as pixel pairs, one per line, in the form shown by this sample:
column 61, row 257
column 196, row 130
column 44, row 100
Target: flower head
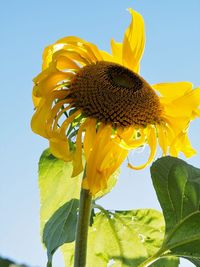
column 87, row 97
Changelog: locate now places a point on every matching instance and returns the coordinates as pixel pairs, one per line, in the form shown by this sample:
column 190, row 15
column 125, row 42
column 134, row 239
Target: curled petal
column 152, row 141
column 182, row 144
column 50, row 80
column 63, row 62
column 36, row 100
column 43, row 113
column 104, row 159
column 134, row 42
column 129, row 139
column 182, row 106
column 77, row 157
column 52, row 122
column 48, row 54
column 89, row 47
column 186, row 104
column 60, row 148
column 64, row 126
column 78, row 49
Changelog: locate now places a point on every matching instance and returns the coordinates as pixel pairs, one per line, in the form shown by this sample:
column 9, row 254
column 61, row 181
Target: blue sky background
column 172, row 54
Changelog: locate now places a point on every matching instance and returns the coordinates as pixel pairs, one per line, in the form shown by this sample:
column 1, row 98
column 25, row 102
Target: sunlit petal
column 134, row 42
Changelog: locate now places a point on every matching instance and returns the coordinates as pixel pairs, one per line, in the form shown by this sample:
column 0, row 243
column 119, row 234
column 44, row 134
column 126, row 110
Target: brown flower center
column 113, row 94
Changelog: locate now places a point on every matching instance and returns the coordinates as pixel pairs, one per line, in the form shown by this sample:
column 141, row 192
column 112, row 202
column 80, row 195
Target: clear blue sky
column 172, row 54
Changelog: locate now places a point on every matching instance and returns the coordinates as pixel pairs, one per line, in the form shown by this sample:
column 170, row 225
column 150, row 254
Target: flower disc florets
column 114, row 94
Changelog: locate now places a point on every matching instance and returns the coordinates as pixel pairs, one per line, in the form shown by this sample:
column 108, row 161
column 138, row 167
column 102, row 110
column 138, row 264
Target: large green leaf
column 59, row 194
column 56, row 185
column 122, row 239
column 177, row 185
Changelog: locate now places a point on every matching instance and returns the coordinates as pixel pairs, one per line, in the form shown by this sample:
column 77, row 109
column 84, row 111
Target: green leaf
column 59, row 194
column 61, row 227
column 123, row 238
column 177, row 185
column 166, row 262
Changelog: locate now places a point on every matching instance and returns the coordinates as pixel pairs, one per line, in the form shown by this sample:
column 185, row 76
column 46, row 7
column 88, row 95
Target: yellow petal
column 188, row 103
column 134, row 42
column 174, row 89
column 52, row 122
column 165, row 137
column 71, row 51
column 112, row 155
column 77, row 157
column 64, row 63
column 74, row 55
column 180, row 111
column 97, row 155
column 182, row 144
column 66, row 123
column 89, row 47
column 36, row 100
column 38, row 121
column 48, row 53
column 117, row 51
column 103, row 160
column 177, row 124
column 60, row 148
column 89, row 139
column 70, row 40
column 106, row 56
column 43, row 113
column 152, row 141
column 78, row 49
column 197, row 113
column 129, row 139
column 40, row 117
column 47, row 83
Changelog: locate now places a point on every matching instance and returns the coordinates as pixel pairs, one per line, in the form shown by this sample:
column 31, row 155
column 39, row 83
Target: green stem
column 148, row 262
column 82, row 228
column 151, row 259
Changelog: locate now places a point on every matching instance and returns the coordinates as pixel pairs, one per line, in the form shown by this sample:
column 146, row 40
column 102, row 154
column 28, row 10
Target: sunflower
column 94, row 105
